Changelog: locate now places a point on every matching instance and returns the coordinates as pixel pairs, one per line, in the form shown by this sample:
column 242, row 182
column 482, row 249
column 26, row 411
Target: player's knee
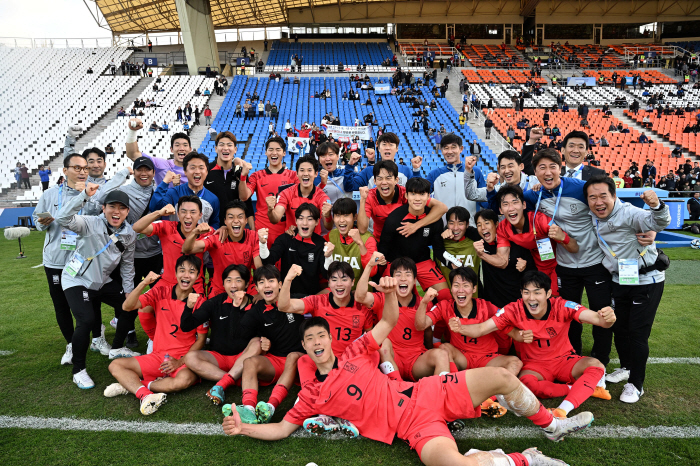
column 191, row 359
column 442, row 355
column 502, row 377
column 183, row 380
column 292, row 359
column 593, row 362
column 115, row 366
column 250, row 365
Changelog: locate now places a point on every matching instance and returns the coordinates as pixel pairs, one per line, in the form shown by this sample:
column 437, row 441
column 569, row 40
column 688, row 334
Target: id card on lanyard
column 544, row 245
column 68, row 238
column 627, row 269
column 77, row 261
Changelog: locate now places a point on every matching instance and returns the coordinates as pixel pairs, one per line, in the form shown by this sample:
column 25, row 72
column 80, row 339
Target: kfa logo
column 234, row 185
column 350, row 367
column 551, row 332
column 426, row 232
column 443, row 183
column 56, row 279
column 355, row 321
column 574, row 208
column 350, row 260
column 467, row 261
column 246, row 256
column 290, row 318
column 311, row 257
column 86, row 296
column 612, row 227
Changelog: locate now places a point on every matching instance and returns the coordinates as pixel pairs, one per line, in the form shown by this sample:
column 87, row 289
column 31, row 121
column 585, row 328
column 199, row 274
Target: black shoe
column 131, row 341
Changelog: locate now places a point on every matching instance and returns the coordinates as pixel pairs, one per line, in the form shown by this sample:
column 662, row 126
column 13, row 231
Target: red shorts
column 224, row 362
column 150, row 367
column 436, row 400
column 278, row 363
column 554, row 370
column 479, row 360
column 405, row 363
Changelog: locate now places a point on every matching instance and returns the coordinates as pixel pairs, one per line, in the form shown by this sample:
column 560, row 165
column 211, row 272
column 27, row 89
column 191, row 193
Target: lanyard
column 574, row 173
column 104, row 248
column 60, row 198
column 597, row 231
column 556, row 207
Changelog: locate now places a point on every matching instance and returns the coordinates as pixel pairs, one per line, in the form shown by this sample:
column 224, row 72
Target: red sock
column 250, row 397
column 493, row 398
column 148, row 323
column 444, row 294
column 544, row 389
column 518, row 459
column 584, row 386
column 394, row 375
column 143, row 392
column 226, row 381
column 453, row 367
column 279, row 393
column 542, row 418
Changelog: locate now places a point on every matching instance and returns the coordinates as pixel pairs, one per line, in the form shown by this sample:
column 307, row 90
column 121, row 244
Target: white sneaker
column 100, row 345
column 122, row 353
column 630, row 394
column 83, row 380
column 618, row 375
column 152, row 402
column 149, row 346
column 563, row 427
column 113, row 322
column 115, row 389
column 537, row 458
column 67, row 358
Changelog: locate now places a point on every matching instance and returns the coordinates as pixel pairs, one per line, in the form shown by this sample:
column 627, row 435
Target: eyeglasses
column 79, row 168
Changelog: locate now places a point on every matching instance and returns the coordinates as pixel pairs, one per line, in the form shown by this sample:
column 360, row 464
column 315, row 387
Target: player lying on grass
column 546, row 352
column 223, row 361
column 351, row 387
column 151, row 376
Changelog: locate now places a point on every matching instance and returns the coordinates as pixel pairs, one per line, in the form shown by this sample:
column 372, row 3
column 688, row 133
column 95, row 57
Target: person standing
column 207, row 115
column 44, row 174
column 24, row 176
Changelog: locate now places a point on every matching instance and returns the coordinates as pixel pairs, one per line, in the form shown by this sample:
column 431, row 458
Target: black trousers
column 44, row 185
column 598, row 284
column 64, row 318
column 635, row 307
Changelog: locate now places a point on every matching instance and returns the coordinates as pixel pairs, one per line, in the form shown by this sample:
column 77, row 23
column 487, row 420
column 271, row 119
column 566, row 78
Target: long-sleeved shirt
column 477, row 193
column 44, row 175
column 307, row 252
column 164, row 196
column 448, row 186
column 139, row 198
column 416, row 246
column 353, row 181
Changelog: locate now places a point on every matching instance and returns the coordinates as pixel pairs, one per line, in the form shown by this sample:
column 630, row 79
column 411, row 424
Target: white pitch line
column 146, row 427
column 6, row 353
column 665, row 361
column 37, row 266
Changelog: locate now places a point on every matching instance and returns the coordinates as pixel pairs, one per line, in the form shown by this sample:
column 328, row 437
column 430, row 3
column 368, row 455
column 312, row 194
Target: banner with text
column 363, row 132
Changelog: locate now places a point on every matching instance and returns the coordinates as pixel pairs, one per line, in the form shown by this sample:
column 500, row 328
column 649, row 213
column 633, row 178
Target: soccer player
column 151, row 376
column 286, row 204
column 240, row 245
column 267, row 182
column 458, row 244
column 530, row 231
column 223, row 361
column 172, row 235
column 383, row 408
column 195, row 166
column 638, row 276
column 546, row 352
column 510, row 173
column 179, row 148
column 305, row 248
column 346, row 242
column 330, row 175
column 388, row 146
column 407, row 343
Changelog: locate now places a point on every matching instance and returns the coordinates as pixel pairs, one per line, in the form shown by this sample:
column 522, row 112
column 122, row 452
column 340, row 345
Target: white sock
column 601, row 382
column 386, row 367
column 566, row 406
column 251, row 408
column 149, row 385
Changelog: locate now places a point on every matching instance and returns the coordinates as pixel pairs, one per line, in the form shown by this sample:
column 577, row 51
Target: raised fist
column 262, row 235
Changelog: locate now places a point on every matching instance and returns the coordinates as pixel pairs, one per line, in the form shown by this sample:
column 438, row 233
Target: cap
column 117, row 196
column 143, row 162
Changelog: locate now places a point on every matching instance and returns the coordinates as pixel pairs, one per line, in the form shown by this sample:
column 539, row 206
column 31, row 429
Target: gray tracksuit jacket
column 618, row 230
column 476, row 194
column 93, row 234
column 139, row 197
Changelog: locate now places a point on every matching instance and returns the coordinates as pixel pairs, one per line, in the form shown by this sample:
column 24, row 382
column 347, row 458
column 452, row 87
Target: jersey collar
column 546, row 314
column 394, row 200
column 335, row 306
column 304, row 240
column 410, row 216
column 244, row 303
column 414, row 298
column 322, row 377
column 311, row 194
column 269, row 307
column 267, row 170
column 526, row 225
column 472, row 314
column 174, row 295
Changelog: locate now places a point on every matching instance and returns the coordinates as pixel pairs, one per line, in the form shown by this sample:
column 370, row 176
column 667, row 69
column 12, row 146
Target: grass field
column 32, row 383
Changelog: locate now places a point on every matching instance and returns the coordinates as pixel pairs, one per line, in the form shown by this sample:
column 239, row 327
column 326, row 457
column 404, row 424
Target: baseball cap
column 143, row 162
column 117, row 196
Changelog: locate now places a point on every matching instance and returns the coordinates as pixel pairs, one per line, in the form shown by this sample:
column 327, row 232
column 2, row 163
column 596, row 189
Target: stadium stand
column 502, row 95
column 670, row 95
column 327, row 53
column 500, row 77
column 670, row 128
column 649, row 76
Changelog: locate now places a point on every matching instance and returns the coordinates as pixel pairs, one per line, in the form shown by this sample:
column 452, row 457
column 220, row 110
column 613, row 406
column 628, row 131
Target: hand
column 556, row 233
column 45, row 221
column 354, row 234
column 536, row 134
column 377, row 258
column 167, row 210
column 328, row 249
column 407, row 229
column 264, row 344
column 202, row 228
column 386, row 285
column 271, row 202
column 137, row 126
column 447, row 234
column 479, row 246
column 491, row 181
column 192, row 300
column 246, row 168
column 527, row 336
column 430, row 294
column 536, row 187
column 238, row 297
column 650, row 198
column 364, row 192
column 469, row 163
column 646, row 238
column 262, row 235
column 91, row 189
column 607, row 314
column 326, row 210
column 150, row 278
column 520, row 264
column 324, row 176
column 232, row 424
column 354, row 158
column 416, row 162
column 171, row 365
column 176, row 180
column 168, row 178
column 294, row 272
column 80, row 186
column 454, row 324
column 223, row 233
column 292, row 230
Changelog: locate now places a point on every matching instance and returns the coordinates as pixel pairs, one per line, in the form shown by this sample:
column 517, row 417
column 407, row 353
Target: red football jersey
column 291, row 198
column 347, row 323
column 482, row 311
column 231, row 252
column 551, row 333
column 264, row 183
column 356, row 390
column 378, row 210
column 406, row 340
column 168, row 310
column 506, row 234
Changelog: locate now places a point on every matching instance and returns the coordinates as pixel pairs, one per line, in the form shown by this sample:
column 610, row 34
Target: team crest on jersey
column 611, row 227
column 426, row 232
column 246, row 256
column 355, row 321
column 56, row 279
column 86, row 296
column 573, row 305
column 350, row 367
column 311, row 257
column 551, row 332
column 574, row 208
column 443, row 183
column 290, row 318
column 234, row 185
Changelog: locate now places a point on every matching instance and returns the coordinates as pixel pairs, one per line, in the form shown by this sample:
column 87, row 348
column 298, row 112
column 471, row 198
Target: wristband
column 264, row 252
column 327, row 263
column 567, row 239
column 450, row 258
column 244, row 177
column 130, row 136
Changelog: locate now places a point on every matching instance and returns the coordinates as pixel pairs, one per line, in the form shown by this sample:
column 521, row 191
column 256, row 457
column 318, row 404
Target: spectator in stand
column 44, row 173
column 637, row 181
column 24, row 176
column 109, row 149
column 643, row 139
column 207, row 115
column 627, row 179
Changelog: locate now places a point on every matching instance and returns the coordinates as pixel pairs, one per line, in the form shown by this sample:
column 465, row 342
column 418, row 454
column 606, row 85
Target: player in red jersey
column 234, row 245
column 406, row 343
column 531, row 230
column 351, row 387
column 151, row 376
column 172, row 236
column 546, row 352
column 265, row 183
column 377, row 203
column 286, row 204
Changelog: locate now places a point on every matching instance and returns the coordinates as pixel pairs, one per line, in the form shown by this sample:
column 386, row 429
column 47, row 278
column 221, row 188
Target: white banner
column 363, row 132
column 297, row 145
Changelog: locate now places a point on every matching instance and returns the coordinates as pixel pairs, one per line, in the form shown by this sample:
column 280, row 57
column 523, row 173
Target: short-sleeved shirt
column 378, row 210
column 168, row 309
column 264, row 183
column 291, row 198
column 481, row 312
column 230, row 252
column 406, row 340
column 506, row 234
column 163, row 166
column 347, row 323
column 171, row 241
column 551, row 333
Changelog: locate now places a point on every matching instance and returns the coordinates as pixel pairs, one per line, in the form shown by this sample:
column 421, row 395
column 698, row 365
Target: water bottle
column 166, row 359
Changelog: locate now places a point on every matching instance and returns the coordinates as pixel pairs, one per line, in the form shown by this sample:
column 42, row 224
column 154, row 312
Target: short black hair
column 94, row 150
column 267, row 272
column 308, row 159
column 236, row 204
column 191, row 258
column 461, row 214
column 576, row 135
column 278, row 140
column 467, row 273
column 600, row 179
column 510, row 155
column 549, row 154
column 390, row 138
column 451, row 138
column 66, row 161
column 324, row 147
column 387, row 165
column 417, row 185
column 342, row 267
column 242, row 270
column 404, row 263
column 177, row 136
column 313, row 210
column 195, row 155
column 193, row 198
column 509, row 189
column 314, row 322
column 344, row 206
column 537, row 278
column 486, row 214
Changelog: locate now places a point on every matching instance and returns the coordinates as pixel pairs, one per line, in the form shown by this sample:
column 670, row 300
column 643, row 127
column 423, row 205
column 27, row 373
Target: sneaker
column 115, row 389
column 83, row 380
column 618, row 375
column 321, row 424
column 100, row 345
column 247, row 414
column 122, row 353
column 264, row 411
column 600, row 392
column 67, row 357
column 563, row 427
column 630, row 394
column 537, row 458
column 113, row 322
column 557, row 413
column 151, row 403
column 216, row 395
column 492, row 409
column 456, row 426
column 347, row 428
column 131, row 340
column 149, row 346
column 226, row 410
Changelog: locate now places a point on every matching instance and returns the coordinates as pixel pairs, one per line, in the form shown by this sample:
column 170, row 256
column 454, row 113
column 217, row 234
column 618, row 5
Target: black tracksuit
column 307, row 253
column 282, row 329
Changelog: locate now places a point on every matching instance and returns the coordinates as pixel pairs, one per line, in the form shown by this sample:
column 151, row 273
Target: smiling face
column 417, row 202
column 462, row 291
column 275, row 154
column 306, row 224
column 600, row 201
column 144, row 176
column 513, row 209
column 340, row 285
column 306, row 174
column 317, row 344
column 180, row 148
column 189, row 215
column 387, row 150
column 487, row 229
column 535, row 299
column 71, row 174
column 574, row 152
column 115, row 213
column 329, row 160
column 225, row 151
column 235, row 222
column 548, row 173
column 186, row 274
column 452, row 153
column 406, row 282
column 457, row 227
column 510, row 170
column 234, row 283
column 196, row 173
column 344, row 223
column 269, row 288
column 386, row 182
column 96, row 164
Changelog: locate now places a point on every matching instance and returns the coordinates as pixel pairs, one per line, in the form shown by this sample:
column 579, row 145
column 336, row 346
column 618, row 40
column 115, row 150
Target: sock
column 517, row 459
column 279, row 393
column 226, row 381
column 149, row 384
column 386, row 367
column 250, row 397
column 493, row 398
column 544, row 389
column 394, row 375
column 442, row 373
column 453, row 367
column 542, row 418
column 601, row 382
column 143, row 392
column 584, row 386
column 566, row 406
column 148, row 323
column 444, row 294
